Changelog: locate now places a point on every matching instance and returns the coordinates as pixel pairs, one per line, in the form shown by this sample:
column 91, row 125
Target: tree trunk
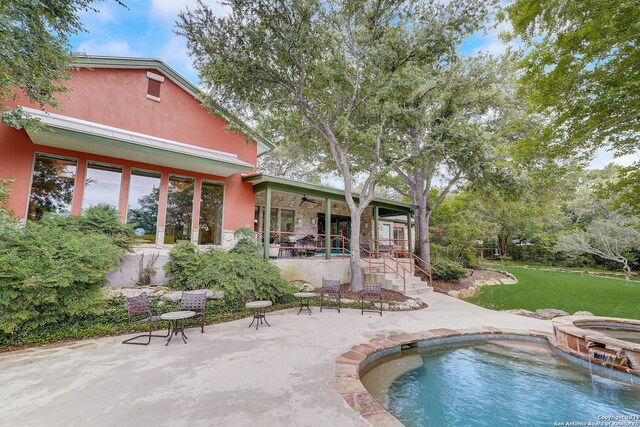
column 424, row 215
column 627, row 270
column 354, row 256
column 503, row 240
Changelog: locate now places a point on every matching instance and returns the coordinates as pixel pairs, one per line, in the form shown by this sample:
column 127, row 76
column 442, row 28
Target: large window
column 142, row 208
column 179, row 209
column 102, row 185
column 211, row 213
column 52, row 185
column 286, row 221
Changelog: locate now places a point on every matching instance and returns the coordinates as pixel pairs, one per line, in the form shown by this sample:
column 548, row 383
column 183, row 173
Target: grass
column 570, row 292
column 598, row 271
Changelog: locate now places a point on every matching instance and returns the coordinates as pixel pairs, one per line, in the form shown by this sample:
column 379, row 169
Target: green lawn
column 570, row 292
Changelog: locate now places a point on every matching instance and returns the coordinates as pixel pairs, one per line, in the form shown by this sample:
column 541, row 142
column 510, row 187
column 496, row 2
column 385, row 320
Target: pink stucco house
column 133, row 133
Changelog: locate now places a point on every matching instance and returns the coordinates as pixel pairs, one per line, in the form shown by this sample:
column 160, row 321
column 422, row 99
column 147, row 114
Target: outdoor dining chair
column 330, row 291
column 372, row 292
column 195, row 302
column 139, row 311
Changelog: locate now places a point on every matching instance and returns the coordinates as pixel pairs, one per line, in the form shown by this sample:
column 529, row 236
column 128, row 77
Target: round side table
column 304, row 298
column 259, row 312
column 176, row 323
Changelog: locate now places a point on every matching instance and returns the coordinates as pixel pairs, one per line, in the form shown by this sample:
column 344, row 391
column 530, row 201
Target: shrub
column 246, row 242
column 101, row 219
column 50, row 272
column 447, row 270
column 236, row 273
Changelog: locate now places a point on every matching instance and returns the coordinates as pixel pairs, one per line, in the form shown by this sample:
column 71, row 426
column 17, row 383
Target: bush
column 50, row 272
column 236, row 273
column 447, row 270
column 101, row 219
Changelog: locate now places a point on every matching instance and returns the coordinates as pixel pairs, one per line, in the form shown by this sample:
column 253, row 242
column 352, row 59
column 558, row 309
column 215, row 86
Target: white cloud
column 107, row 48
column 492, row 43
column 167, row 10
column 174, row 52
column 604, row 157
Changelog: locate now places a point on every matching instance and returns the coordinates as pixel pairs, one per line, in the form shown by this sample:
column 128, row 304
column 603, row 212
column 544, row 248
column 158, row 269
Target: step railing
column 416, row 261
column 377, row 258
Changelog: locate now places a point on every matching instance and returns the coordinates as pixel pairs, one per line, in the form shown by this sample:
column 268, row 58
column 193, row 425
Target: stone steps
column 415, row 285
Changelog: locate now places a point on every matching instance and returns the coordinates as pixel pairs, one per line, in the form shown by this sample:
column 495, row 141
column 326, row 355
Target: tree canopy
column 581, row 68
column 35, row 53
column 338, row 67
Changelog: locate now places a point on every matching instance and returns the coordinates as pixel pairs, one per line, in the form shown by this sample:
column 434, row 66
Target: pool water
column 495, row 383
column 621, row 334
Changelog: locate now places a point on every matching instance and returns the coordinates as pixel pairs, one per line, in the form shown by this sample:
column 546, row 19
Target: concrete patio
column 231, row 375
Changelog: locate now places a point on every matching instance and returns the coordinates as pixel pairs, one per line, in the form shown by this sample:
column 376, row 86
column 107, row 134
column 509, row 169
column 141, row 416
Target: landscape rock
column 522, row 312
column 453, row 293
column 210, row 294
column 550, row 313
column 172, row 296
column 583, row 313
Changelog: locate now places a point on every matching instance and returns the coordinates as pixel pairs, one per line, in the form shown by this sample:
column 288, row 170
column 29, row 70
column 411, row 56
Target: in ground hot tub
column 608, row 341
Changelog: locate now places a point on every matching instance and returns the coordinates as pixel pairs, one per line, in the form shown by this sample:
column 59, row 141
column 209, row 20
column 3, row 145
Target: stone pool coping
column 348, row 365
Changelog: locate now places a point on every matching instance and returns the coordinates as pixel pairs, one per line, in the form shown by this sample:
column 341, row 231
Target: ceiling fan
column 304, row 199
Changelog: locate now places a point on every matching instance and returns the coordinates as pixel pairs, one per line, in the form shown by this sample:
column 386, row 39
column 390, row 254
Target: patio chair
column 139, row 311
column 330, row 291
column 372, row 292
column 195, row 302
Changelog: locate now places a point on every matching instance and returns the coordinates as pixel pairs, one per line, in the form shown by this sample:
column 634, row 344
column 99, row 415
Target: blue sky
column 146, row 28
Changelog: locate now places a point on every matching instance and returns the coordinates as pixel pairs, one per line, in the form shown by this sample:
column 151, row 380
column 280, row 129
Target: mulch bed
column 444, row 287
column 387, row 295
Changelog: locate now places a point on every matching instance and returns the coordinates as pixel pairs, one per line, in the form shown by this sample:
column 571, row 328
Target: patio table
column 176, row 323
column 259, row 312
column 304, row 298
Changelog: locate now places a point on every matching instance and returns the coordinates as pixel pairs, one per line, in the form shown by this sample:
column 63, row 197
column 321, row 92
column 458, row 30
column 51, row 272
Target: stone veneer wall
column 306, row 215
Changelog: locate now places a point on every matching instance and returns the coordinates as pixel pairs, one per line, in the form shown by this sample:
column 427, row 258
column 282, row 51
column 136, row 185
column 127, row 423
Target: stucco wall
column 314, row 270
column 118, row 98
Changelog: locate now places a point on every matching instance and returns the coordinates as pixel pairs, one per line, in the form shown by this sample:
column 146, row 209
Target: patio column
column 376, row 229
column 327, row 229
column 409, row 239
column 267, row 223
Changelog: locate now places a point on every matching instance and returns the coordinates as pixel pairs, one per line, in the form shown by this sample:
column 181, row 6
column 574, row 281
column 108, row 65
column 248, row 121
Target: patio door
column 340, row 226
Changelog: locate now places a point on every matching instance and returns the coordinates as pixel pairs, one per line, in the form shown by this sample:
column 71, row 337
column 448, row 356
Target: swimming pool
column 494, row 383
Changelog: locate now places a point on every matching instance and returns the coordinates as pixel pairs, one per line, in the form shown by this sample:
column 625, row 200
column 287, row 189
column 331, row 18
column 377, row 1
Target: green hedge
column 448, row 270
column 236, row 272
column 51, row 271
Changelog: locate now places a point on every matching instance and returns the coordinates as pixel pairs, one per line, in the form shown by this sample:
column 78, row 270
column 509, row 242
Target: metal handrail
column 431, row 269
column 373, row 255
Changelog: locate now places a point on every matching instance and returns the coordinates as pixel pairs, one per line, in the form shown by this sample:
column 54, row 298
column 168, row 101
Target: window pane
column 179, row 210
column 102, row 186
column 286, row 221
column 211, row 213
column 142, row 208
column 274, row 237
column 52, row 186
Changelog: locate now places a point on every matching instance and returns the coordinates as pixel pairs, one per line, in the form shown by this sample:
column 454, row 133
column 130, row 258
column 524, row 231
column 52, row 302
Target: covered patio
column 302, row 219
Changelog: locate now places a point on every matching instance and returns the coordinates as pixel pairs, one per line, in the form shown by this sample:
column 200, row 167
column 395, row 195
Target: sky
column 145, row 28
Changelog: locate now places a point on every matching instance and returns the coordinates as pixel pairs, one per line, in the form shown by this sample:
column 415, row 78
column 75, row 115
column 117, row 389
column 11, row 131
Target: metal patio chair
column 139, row 311
column 372, row 292
column 331, row 292
column 195, row 302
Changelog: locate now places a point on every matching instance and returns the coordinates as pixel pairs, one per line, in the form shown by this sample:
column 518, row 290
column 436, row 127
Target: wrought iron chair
column 330, row 291
column 195, row 302
column 372, row 292
column 136, row 308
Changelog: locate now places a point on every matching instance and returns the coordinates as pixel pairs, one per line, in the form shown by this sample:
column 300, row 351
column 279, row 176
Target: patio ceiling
column 95, row 138
column 261, row 181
